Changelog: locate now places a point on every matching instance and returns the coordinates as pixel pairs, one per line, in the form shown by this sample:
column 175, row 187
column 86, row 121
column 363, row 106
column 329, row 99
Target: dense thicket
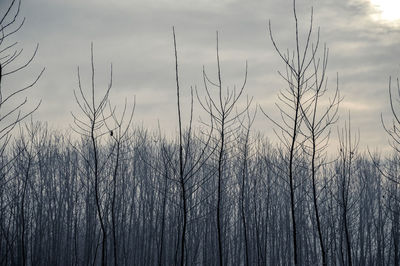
column 48, row 213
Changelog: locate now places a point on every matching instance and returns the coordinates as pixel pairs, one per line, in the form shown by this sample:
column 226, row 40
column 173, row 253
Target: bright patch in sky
column 389, row 10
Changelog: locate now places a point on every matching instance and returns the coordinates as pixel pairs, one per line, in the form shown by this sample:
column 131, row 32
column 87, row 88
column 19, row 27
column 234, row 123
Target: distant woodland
column 114, row 193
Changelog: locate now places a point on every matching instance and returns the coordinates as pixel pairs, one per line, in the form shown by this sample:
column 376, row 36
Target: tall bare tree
column 188, row 163
column 11, row 105
column 221, row 107
column 318, row 121
column 293, row 101
column 91, row 126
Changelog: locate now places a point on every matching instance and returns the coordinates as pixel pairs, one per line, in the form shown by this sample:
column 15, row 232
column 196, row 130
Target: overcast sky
column 136, row 37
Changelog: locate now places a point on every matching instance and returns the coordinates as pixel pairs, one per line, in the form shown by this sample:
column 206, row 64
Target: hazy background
column 136, row 36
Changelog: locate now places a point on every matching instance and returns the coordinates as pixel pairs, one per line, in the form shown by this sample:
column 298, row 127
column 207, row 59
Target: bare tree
column 188, row 163
column 390, row 172
column 221, row 110
column 91, row 127
column 11, row 106
column 318, row 120
column 118, row 130
column 293, row 100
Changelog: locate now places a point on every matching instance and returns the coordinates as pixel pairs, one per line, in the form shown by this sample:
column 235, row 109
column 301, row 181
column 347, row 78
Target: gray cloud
column 136, row 36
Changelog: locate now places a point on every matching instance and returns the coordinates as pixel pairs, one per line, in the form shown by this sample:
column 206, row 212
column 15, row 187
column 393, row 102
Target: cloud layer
column 136, row 36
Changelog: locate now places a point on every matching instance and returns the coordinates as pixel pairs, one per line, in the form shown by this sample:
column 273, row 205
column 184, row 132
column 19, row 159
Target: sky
column 363, row 38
